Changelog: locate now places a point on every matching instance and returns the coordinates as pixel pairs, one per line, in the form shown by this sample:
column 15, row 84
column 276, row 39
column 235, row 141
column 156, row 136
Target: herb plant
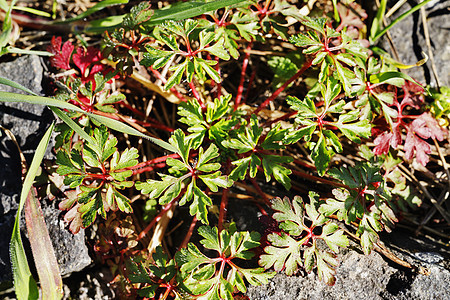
column 223, row 140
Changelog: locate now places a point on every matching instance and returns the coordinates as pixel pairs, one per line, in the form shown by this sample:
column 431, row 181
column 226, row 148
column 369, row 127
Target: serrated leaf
column 200, row 204
column 205, row 66
column 321, row 155
column 284, row 254
column 213, row 181
column 272, row 166
column 175, row 78
column 218, row 50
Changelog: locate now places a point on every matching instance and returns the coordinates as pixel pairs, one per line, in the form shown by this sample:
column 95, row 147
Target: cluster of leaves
column 310, row 121
column 195, row 275
column 419, row 128
column 298, row 244
column 354, row 99
column 187, row 173
column 365, row 201
column 100, row 171
column 87, row 80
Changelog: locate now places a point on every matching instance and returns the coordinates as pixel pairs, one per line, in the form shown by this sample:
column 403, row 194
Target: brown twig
column 430, row 51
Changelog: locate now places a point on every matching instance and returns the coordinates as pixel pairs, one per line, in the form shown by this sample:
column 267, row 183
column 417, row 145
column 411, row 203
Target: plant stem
column 320, row 179
column 223, row 209
column 260, row 192
column 243, row 71
column 153, row 161
column 157, row 218
column 218, row 84
column 197, row 95
column 306, row 66
column 149, row 168
column 189, row 233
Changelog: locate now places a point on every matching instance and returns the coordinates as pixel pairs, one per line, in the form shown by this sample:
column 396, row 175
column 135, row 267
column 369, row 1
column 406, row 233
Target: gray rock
column 28, row 123
column 409, row 39
column 371, row 277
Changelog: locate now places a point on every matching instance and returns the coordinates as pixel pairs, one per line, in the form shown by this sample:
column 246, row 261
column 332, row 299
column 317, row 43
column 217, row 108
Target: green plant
column 223, row 141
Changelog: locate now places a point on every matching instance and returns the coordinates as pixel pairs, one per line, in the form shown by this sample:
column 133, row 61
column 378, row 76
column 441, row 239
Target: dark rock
column 28, row 123
column 409, row 39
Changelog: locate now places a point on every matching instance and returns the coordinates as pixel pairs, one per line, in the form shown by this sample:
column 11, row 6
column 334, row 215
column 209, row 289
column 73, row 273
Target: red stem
column 189, row 233
column 218, row 84
column 149, row 168
column 260, row 192
column 243, row 71
column 197, row 95
column 315, row 178
column 157, row 218
column 306, row 65
column 223, row 209
column 153, row 161
column 249, row 84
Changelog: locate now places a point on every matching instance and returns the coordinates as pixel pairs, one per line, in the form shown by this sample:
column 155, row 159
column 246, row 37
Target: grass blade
column 99, row 6
column 378, row 20
column 13, row 97
column 186, row 10
column 24, row 283
column 124, row 128
column 41, row 244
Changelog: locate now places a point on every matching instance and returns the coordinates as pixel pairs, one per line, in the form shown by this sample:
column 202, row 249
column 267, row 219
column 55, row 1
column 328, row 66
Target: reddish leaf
column 386, row 139
column 352, row 15
column 427, row 127
column 61, row 58
column 83, row 59
column 415, row 144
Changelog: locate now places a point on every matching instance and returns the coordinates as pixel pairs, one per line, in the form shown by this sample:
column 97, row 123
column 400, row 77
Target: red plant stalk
column 260, row 192
column 142, row 123
column 158, row 217
column 218, row 84
column 149, row 168
column 305, row 67
column 223, row 209
column 153, row 161
column 249, row 84
column 155, row 122
column 315, row 178
column 243, row 71
column 197, row 95
column 189, row 233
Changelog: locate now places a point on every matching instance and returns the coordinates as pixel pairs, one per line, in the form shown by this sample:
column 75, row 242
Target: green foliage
column 365, row 201
column 161, row 272
column 218, row 277
column 353, row 96
column 250, row 143
column 80, row 165
column 172, row 34
column 188, row 173
column 338, row 61
column 215, row 124
column 298, row 244
column 310, row 121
